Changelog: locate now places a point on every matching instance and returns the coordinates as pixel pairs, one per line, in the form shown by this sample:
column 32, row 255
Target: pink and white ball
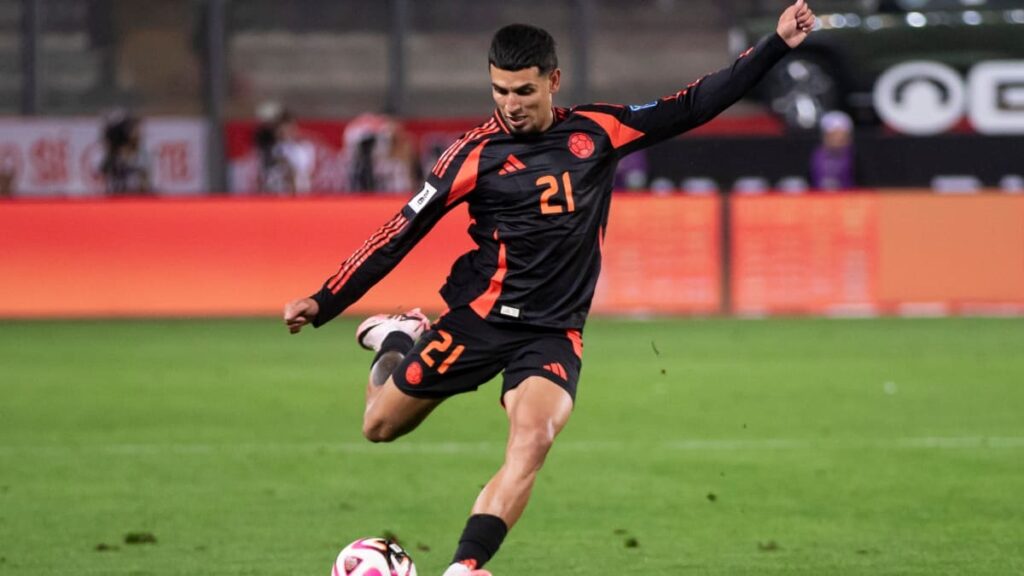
column 373, row 557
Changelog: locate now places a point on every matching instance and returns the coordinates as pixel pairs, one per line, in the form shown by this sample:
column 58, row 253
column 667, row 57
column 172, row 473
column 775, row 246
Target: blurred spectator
column 286, row 159
column 751, row 185
column 379, row 155
column 662, row 186
column 125, row 165
column 631, row 173
column 956, row 184
column 1012, row 183
column 792, row 185
column 8, row 174
column 699, row 185
column 833, row 165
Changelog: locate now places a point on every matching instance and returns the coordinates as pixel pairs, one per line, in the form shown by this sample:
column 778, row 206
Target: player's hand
column 796, row 23
column 298, row 313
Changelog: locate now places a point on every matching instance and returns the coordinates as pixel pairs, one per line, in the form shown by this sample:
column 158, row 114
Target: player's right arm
column 447, row 185
column 640, row 126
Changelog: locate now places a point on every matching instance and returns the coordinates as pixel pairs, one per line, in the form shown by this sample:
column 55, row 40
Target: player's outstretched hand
column 796, row 23
column 298, row 313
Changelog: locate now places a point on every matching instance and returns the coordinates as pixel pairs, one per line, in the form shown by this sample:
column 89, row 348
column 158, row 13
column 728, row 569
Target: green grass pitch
column 711, row 447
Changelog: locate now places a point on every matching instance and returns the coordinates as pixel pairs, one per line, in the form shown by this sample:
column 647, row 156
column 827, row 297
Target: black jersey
column 538, row 203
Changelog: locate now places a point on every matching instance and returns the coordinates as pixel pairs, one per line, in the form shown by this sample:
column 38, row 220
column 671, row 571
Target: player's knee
column 377, row 430
column 529, row 447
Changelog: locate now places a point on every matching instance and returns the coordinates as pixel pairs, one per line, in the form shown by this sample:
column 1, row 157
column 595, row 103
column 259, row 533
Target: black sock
column 481, row 539
column 394, row 342
column 392, row 351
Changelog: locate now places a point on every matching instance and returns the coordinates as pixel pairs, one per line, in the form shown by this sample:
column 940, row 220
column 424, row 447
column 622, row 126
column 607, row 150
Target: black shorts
column 461, row 351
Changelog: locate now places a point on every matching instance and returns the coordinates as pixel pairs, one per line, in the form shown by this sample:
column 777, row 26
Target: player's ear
column 555, row 79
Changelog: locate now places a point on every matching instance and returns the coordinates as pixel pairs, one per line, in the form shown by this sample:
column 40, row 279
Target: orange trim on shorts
column 557, row 369
column 576, row 338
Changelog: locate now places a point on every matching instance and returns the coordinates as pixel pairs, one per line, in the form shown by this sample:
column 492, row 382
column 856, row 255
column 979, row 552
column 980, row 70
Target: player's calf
column 391, row 413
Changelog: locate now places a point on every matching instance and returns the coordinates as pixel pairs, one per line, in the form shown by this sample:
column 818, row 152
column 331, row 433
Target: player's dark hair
column 520, row 46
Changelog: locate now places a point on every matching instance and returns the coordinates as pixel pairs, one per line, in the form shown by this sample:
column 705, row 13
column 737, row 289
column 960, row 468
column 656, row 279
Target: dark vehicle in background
column 856, row 41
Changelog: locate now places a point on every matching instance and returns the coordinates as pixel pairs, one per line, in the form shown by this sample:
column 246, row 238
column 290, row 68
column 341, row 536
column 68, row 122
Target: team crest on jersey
column 581, row 145
column 414, row 374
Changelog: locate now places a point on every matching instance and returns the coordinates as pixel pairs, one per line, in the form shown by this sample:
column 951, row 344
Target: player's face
column 524, row 97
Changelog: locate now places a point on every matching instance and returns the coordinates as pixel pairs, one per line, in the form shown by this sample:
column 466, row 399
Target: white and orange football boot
column 372, row 332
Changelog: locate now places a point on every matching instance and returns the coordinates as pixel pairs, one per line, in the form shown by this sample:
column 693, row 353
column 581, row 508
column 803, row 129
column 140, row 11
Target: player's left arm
column 449, row 184
column 709, row 96
column 372, row 261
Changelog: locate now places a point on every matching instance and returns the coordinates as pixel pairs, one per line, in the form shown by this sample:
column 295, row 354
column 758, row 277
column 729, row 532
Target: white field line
column 598, row 446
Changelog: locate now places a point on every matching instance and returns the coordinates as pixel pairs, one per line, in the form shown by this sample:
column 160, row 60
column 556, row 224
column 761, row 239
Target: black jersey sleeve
column 646, row 124
column 448, row 184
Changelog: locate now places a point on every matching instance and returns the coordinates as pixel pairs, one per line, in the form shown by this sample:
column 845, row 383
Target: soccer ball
column 373, row 557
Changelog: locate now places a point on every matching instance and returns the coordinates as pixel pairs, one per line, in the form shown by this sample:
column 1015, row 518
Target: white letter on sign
column 920, row 98
column 997, row 97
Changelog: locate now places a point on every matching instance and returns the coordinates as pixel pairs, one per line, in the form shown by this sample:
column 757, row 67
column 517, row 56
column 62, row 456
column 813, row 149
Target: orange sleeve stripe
column 334, row 280
column 379, row 238
column 501, row 122
column 445, row 161
column 384, row 231
column 353, row 264
column 619, row 133
column 485, row 130
column 485, row 302
column 442, row 163
column 465, row 180
column 436, row 170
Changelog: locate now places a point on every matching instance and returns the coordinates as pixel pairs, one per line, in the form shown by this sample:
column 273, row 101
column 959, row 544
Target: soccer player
column 538, row 181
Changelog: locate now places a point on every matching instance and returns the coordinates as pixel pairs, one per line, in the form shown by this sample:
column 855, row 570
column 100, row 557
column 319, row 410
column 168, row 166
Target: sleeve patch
column 420, row 200
column 639, row 107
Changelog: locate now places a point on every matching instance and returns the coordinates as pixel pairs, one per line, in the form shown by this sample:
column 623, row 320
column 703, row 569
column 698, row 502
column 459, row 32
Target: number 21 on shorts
column 441, row 346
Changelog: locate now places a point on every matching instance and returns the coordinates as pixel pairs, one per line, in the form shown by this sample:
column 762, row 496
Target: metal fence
column 334, row 58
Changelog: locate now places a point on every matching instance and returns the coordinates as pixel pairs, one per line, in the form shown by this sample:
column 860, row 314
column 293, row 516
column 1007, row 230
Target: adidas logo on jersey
column 512, row 164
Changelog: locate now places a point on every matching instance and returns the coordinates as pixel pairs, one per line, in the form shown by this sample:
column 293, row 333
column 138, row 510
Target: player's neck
column 549, row 121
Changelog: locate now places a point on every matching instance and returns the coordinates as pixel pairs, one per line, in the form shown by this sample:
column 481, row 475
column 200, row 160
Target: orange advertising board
column 222, row 257
column 836, row 254
column 202, row 257
column 661, row 255
column 911, row 253
column 799, row 254
column 952, row 253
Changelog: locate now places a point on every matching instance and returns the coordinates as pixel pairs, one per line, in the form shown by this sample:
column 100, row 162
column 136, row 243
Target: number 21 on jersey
column 552, row 188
